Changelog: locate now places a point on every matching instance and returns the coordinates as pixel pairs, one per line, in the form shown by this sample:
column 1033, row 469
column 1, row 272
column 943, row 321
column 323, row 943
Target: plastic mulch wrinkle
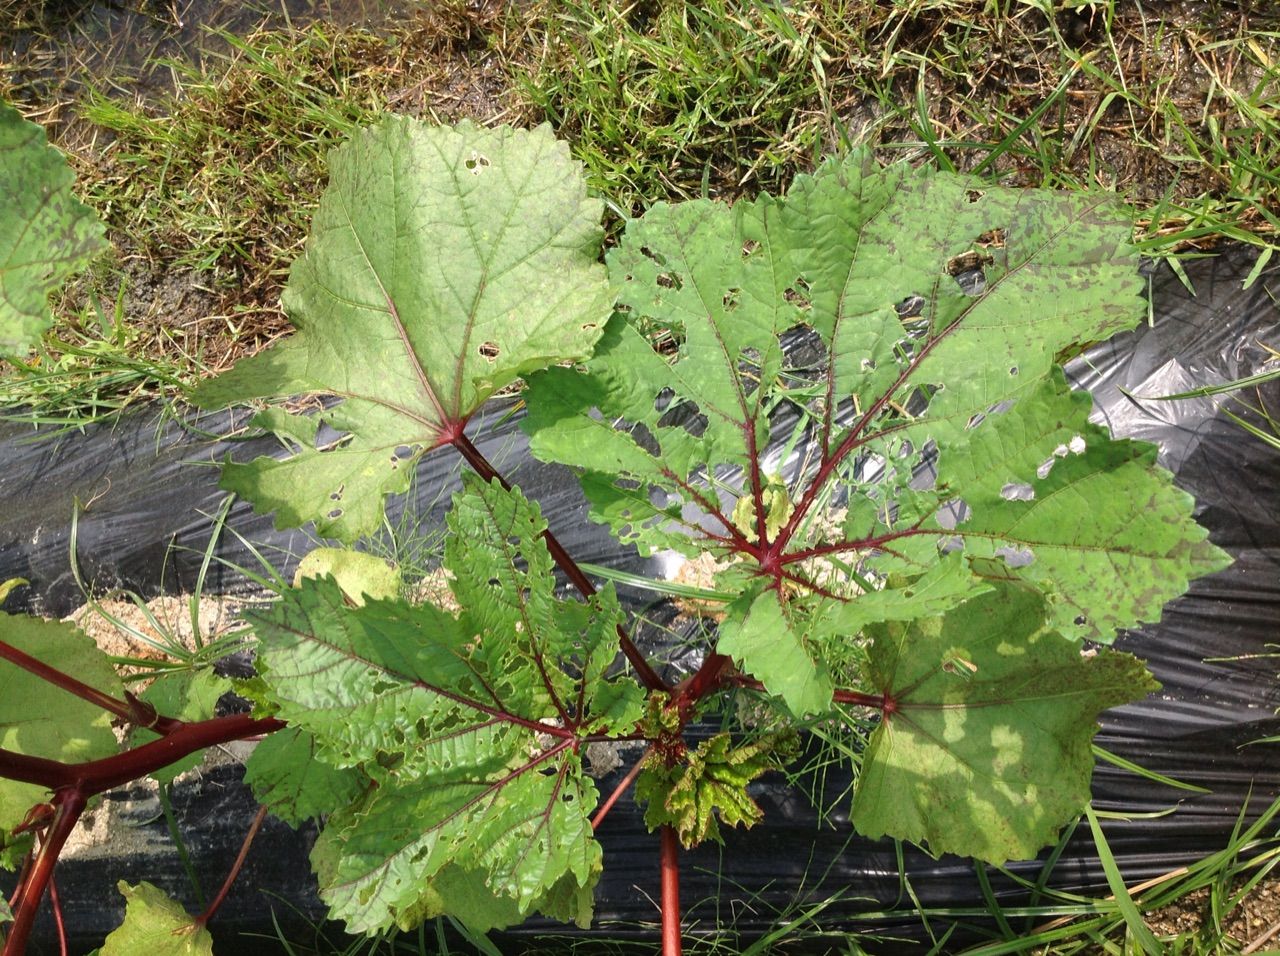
column 148, row 496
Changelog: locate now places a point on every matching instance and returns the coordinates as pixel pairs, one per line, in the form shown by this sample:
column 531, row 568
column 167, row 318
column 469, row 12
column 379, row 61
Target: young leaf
column 709, row 786
column 937, row 304
column 471, row 726
column 46, row 233
column 985, row 748
column 442, row 265
column 42, row 720
column 156, row 925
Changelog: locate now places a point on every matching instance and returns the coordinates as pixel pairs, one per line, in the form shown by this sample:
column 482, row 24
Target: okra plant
column 842, row 404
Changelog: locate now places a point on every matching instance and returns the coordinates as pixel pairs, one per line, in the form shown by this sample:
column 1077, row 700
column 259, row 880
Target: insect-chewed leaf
column 985, row 750
column 443, row 263
column 42, row 720
column 932, row 423
column 471, row 725
column 46, row 233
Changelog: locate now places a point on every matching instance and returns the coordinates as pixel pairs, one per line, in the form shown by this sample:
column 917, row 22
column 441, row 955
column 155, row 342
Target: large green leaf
column 929, row 417
column 443, row 264
column 470, row 726
column 46, row 233
column 156, row 925
column 985, row 749
column 42, row 720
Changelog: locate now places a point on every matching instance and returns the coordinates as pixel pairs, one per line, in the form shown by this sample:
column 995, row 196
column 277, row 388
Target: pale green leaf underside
column 443, row 263
column 988, row 753
column 41, row 720
column 46, row 233
column 467, row 724
column 156, row 925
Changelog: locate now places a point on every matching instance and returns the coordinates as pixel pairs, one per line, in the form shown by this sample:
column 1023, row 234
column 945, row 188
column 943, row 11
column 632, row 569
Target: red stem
column 122, row 709
column 69, row 804
column 857, row 698
column 619, row 790
column 212, row 908
column 708, row 677
column 475, row 458
column 671, row 945
column 97, row 776
column 57, row 916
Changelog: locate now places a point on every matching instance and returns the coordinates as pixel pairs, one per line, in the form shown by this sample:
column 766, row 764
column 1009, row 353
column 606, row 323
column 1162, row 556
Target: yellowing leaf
column 155, row 925
column 985, row 750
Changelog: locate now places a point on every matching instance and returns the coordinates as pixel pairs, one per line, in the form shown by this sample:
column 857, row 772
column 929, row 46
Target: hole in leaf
column 684, row 415
column 657, row 257
column 975, row 420
column 403, row 451
column 973, row 195
column 910, row 307
column 663, row 399
column 1013, row 371
column 749, row 247
column 868, row 365
column 970, row 261
column 798, row 294
column 1080, row 620
column 953, row 513
column 669, row 280
column 1016, row 557
column 657, row 497
column 335, row 513
column 337, row 495
column 730, row 300
column 477, row 163
column 991, row 239
column 1017, row 491
column 489, row 350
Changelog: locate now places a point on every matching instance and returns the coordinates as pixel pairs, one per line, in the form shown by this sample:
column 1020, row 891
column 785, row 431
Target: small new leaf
column 155, row 925
column 985, row 750
column 46, row 233
column 443, row 264
column 708, row 787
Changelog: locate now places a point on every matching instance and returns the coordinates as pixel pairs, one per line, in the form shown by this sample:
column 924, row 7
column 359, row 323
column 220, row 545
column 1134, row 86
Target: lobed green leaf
column 443, row 263
column 470, row 726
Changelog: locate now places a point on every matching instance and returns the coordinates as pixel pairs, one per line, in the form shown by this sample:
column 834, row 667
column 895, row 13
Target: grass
column 1174, row 110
